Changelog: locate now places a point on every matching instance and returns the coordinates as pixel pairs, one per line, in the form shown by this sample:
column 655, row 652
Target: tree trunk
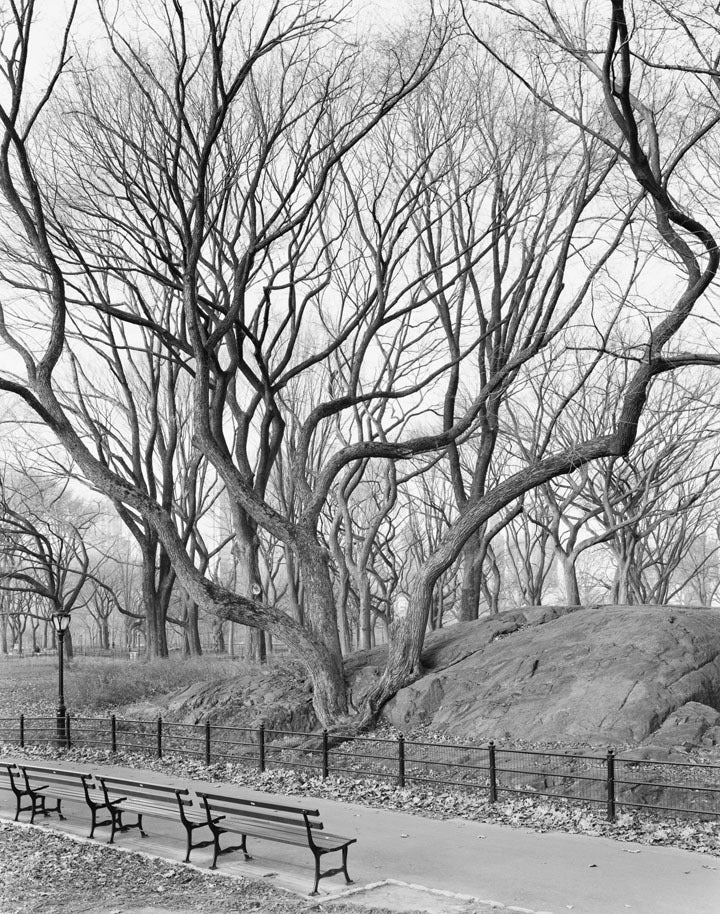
column 218, row 636
column 471, row 580
column 491, row 582
column 104, row 632
column 248, row 582
column 364, row 621
column 192, row 630
column 155, row 627
column 293, row 594
column 330, row 696
column 405, row 640
column 621, row 593
column 257, row 645
column 570, row 581
column 342, row 591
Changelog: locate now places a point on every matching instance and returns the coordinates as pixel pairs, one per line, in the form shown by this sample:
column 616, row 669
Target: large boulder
column 693, row 724
column 600, row 675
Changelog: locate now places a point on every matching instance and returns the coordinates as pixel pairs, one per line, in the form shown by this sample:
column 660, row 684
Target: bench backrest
column 141, row 790
column 13, row 774
column 262, row 813
column 61, row 776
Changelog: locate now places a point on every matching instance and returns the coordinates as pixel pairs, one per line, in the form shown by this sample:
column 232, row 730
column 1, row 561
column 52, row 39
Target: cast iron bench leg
column 317, row 872
column 217, row 851
column 348, row 880
column 38, row 806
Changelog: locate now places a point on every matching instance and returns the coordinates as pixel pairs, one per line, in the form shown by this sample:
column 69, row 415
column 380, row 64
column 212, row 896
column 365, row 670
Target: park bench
column 62, row 784
column 20, row 788
column 144, row 798
column 270, row 822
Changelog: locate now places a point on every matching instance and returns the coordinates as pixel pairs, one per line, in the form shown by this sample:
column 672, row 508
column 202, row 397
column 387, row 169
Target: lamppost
column 61, row 623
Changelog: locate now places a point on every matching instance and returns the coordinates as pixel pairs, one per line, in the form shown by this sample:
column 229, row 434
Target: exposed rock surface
column 692, row 725
column 602, row 674
column 622, row 675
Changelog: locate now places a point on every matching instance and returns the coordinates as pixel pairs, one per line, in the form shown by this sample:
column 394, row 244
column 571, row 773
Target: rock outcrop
column 610, row 674
column 629, row 676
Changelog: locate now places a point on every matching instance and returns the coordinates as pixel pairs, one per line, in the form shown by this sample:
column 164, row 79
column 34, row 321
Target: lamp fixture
column 60, row 622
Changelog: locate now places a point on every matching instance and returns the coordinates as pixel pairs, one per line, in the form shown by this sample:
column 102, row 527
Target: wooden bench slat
column 262, row 818
column 128, row 784
column 258, row 804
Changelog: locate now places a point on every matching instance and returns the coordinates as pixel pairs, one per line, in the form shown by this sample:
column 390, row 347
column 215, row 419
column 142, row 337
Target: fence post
column 22, row 731
column 401, row 760
column 324, row 754
column 159, row 737
column 611, row 785
column 261, row 747
column 493, row 772
column 113, row 733
column 68, row 743
column 207, row 743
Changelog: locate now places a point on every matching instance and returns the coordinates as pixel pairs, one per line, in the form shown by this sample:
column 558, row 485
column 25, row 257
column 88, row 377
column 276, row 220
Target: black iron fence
column 608, row 780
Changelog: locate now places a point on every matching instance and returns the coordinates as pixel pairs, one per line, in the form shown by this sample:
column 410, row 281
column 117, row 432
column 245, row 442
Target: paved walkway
column 408, row 862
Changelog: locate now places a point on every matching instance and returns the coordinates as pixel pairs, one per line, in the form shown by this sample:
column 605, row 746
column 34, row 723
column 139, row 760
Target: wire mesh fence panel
column 39, row 731
column 293, row 749
column 676, row 787
column 136, row 735
column 11, row 731
column 235, row 745
column 562, row 775
column 183, row 739
column 447, row 765
column 91, row 732
column 369, row 757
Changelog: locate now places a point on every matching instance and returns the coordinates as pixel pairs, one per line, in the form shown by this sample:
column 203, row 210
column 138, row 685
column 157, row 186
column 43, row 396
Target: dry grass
column 94, row 684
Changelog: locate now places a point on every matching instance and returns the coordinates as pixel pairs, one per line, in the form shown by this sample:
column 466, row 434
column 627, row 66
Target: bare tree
column 206, row 176
column 632, row 138
column 45, row 553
